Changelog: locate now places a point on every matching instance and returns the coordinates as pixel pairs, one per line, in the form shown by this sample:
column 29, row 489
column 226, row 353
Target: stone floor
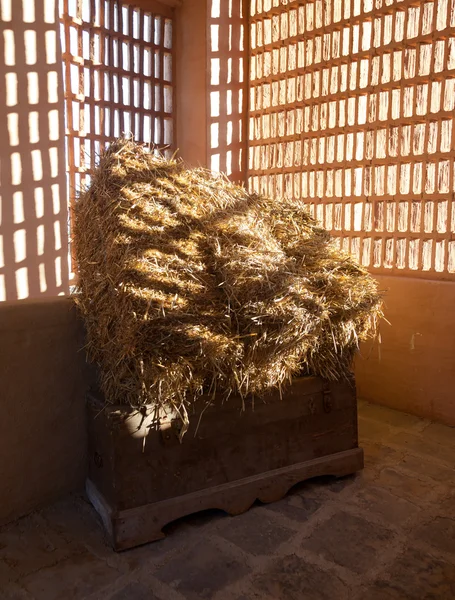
column 385, row 534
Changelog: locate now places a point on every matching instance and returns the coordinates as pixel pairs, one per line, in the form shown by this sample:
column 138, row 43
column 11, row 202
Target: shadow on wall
column 228, row 87
column 33, row 205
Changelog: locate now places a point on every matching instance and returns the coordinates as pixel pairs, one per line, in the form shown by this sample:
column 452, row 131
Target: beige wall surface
column 191, row 81
column 413, row 368
column 44, row 377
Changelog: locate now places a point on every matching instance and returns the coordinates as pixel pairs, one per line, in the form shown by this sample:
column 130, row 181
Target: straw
column 190, row 285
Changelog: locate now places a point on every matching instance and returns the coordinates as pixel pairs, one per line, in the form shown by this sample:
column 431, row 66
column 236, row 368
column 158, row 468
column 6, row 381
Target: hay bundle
column 189, row 284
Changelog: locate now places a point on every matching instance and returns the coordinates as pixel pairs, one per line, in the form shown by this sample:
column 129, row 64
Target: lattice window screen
column 227, row 86
column 352, row 109
column 118, row 79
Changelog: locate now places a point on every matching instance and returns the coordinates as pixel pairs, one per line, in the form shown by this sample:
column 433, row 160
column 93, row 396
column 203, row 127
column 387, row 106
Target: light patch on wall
column 215, row 9
column 215, row 162
column 5, row 10
column 20, row 245
column 40, row 240
column 49, row 11
column 53, row 158
column 30, row 46
column 214, row 37
column 13, row 129
column 39, row 203
column 28, row 11
column 51, row 47
column 52, row 87
column 37, row 165
column 215, row 71
column 18, row 207
column 55, row 190
column 229, row 102
column 229, row 162
column 229, row 133
column 214, row 135
column 58, row 271
column 33, row 126
column 33, row 87
column 11, row 89
column 16, row 168
column 214, row 104
column 42, row 277
column 22, row 283
column 9, row 48
column 2, row 257
column 53, row 125
column 2, row 288
column 57, row 235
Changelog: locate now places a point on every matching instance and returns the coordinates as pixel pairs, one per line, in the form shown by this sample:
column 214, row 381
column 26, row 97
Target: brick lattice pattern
column 351, row 109
column 118, row 64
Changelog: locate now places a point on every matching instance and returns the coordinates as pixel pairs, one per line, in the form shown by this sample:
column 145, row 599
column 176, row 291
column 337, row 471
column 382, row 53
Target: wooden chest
column 141, row 477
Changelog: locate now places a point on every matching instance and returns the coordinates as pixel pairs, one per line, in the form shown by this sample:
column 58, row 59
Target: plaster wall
column 413, row 367
column 43, row 379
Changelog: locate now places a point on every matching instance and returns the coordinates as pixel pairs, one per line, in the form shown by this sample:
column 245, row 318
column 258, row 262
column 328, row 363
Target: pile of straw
column 190, row 285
